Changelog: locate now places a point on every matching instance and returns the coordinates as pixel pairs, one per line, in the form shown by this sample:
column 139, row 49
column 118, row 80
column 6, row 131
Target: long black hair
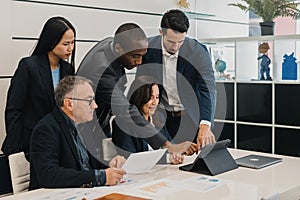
column 52, row 33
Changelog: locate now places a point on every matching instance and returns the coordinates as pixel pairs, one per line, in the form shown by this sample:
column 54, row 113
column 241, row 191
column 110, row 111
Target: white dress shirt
column 169, row 78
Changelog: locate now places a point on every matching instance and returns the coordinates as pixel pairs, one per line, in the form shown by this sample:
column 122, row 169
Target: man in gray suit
column 105, row 65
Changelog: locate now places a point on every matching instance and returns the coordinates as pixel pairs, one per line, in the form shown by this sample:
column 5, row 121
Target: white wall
column 25, row 20
column 228, row 21
column 5, row 60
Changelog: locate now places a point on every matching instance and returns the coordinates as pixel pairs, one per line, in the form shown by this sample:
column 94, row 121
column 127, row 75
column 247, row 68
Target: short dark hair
column 66, row 85
column 176, row 20
column 140, row 91
column 51, row 34
column 127, row 33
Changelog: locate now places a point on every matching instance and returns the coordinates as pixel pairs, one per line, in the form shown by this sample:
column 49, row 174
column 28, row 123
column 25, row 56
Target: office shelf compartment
column 287, row 141
column 247, row 64
column 254, row 102
column 224, row 51
column 241, row 54
column 258, row 114
column 287, row 104
column 254, row 138
column 225, row 101
column 224, row 131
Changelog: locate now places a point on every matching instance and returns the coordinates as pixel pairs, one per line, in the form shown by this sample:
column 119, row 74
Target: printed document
column 143, row 161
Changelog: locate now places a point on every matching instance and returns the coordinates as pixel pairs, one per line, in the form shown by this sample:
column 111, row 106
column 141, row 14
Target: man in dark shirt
column 58, row 155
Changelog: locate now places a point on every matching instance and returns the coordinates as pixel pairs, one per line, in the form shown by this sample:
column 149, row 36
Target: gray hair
column 67, row 85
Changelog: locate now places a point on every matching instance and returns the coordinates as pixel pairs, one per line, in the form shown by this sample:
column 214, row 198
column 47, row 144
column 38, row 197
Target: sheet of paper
column 143, row 161
column 158, row 189
column 163, row 188
column 70, row 194
column 201, row 183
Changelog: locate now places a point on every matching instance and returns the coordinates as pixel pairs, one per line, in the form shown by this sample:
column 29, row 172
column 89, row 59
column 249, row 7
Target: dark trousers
column 181, row 127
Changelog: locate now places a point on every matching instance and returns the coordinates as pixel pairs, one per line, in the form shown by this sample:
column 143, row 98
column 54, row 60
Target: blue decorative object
column 289, row 67
column 220, row 67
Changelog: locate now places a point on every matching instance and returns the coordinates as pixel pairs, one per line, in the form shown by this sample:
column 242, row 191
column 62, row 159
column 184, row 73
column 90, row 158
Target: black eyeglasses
column 87, row 100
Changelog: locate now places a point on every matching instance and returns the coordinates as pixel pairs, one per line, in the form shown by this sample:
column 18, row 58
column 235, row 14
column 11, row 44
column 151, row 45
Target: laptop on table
column 257, row 161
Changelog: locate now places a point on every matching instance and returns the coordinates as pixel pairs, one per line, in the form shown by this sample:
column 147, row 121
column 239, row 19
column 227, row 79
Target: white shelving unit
column 241, row 54
column 257, row 115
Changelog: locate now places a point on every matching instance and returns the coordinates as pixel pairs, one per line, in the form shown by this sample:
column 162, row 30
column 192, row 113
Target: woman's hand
column 176, row 159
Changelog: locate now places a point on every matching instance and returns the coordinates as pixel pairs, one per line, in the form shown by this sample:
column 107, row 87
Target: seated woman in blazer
column 144, row 94
column 31, row 92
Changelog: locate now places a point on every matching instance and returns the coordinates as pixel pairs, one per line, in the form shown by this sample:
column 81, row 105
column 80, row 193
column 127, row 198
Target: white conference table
column 279, row 181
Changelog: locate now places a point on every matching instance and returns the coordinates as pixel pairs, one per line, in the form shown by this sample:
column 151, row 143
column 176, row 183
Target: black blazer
column 54, row 162
column 127, row 140
column 127, row 143
column 30, row 97
column 195, row 77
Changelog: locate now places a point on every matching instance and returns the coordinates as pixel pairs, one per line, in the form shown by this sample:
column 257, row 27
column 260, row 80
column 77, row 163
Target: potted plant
column 268, row 10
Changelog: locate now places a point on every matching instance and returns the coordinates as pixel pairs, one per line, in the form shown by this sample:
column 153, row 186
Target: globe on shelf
column 220, row 66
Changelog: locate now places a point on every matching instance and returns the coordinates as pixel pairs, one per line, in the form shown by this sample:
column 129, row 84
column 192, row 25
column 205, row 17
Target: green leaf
column 270, row 9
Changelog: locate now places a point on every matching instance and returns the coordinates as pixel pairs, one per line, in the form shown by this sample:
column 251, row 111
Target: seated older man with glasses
column 58, row 155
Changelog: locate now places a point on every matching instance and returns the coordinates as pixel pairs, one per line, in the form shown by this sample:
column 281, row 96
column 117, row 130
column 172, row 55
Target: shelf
column 287, row 82
column 241, row 56
column 225, row 81
column 258, row 112
column 254, row 138
column 196, row 15
column 287, row 142
column 287, row 98
column 242, row 39
column 226, row 131
column 260, row 81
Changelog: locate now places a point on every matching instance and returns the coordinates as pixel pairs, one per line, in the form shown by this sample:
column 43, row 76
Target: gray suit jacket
column 101, row 65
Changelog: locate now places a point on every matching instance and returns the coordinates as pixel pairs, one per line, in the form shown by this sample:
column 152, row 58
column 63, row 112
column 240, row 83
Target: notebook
column 256, row 161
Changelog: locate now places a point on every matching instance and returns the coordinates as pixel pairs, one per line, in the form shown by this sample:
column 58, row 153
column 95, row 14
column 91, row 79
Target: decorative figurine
column 289, row 67
column 221, row 66
column 265, row 61
column 184, row 4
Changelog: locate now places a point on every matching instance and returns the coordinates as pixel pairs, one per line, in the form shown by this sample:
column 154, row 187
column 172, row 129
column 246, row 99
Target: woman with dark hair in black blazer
column 144, row 94
column 31, row 93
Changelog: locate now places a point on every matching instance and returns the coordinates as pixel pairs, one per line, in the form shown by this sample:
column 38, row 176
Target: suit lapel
column 64, row 69
column 157, row 57
column 183, row 57
column 180, row 65
column 66, row 132
column 46, row 78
